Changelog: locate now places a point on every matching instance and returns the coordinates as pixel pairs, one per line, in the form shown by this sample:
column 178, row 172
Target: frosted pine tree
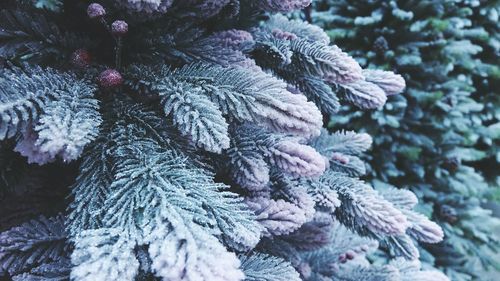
column 485, row 73
column 183, row 140
column 439, row 137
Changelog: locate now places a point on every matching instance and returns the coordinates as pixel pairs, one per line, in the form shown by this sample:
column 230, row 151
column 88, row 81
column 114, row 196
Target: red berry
column 80, row 58
column 96, row 10
column 110, row 78
column 342, row 258
column 350, row 254
column 119, row 28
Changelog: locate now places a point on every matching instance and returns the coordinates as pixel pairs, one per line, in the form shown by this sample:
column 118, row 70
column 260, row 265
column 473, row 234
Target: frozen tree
column 184, row 140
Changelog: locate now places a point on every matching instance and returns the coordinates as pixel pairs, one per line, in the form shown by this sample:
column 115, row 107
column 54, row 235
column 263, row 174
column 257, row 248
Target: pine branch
column 186, row 251
column 252, row 145
column 363, row 209
column 344, row 142
column 53, row 271
column 103, row 254
column 328, row 63
column 196, row 116
column 401, row 246
column 24, row 94
column 342, row 243
column 32, row 244
column 271, row 104
column 361, row 93
column 262, row 267
column 300, row 28
column 65, row 127
column 206, row 201
column 278, row 217
column 34, row 36
column 37, row 95
column 319, row 92
column 315, row 234
column 91, row 188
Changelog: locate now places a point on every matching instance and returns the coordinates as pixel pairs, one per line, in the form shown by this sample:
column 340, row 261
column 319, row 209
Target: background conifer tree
column 440, row 137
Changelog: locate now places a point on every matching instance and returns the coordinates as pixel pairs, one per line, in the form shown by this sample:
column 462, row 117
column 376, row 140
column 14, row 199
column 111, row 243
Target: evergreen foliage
column 188, row 145
column 438, row 138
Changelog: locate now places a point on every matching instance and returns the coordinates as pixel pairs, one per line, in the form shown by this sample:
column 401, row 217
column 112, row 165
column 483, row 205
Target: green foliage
column 53, row 5
column 438, row 138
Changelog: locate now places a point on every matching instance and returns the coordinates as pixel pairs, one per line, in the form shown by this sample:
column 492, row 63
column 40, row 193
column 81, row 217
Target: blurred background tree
column 440, row 138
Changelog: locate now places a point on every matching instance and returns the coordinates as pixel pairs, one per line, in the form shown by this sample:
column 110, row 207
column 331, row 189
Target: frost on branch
column 342, row 257
column 282, row 5
column 91, row 188
column 58, row 270
column 103, row 254
column 329, row 63
column 235, row 93
column 300, row 54
column 262, row 267
column 364, row 94
column 22, row 95
column 149, row 184
column 277, row 216
column 421, row 228
column 227, row 48
column 255, row 152
column 297, row 159
column 391, row 83
column 233, row 38
column 363, row 209
column 342, row 150
column 299, row 28
column 27, row 147
column 182, row 250
column 345, row 142
column 314, row 234
column 320, row 92
column 196, row 116
column 67, row 125
column 283, row 206
column 55, row 111
column 189, row 188
column 169, row 213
